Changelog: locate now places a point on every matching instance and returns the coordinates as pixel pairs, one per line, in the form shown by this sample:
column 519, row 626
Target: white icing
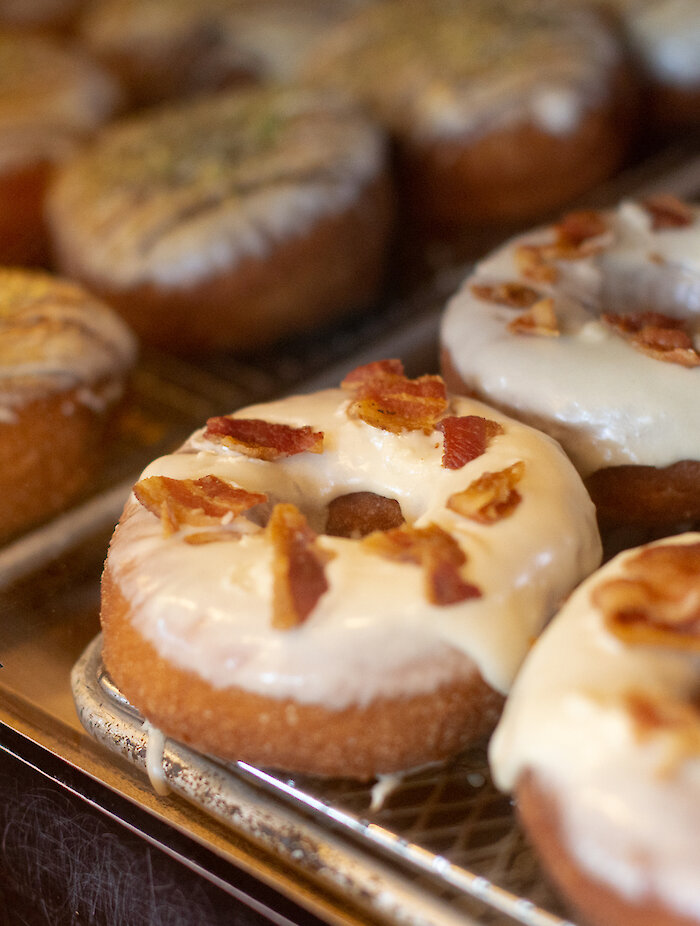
column 155, row 750
column 55, row 336
column 606, row 402
column 176, row 195
column 208, row 608
column 626, row 822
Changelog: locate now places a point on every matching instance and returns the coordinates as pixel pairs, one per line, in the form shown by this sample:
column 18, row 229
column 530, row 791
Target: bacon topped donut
column 590, row 330
column 342, row 583
column 600, row 740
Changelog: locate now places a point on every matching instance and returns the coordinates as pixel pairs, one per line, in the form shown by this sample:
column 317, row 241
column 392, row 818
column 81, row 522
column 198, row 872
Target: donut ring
column 229, row 222
column 600, row 740
column 342, row 583
column 65, row 359
column 590, row 330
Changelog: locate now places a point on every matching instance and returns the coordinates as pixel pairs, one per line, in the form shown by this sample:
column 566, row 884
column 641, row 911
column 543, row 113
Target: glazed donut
column 168, row 49
column 664, row 39
column 500, row 111
column 64, row 364
column 231, row 221
column 590, row 330
column 342, row 583
column 600, row 740
column 51, row 100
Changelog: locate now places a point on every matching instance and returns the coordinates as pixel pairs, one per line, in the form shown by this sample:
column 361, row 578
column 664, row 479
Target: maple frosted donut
column 590, row 330
column 64, row 361
column 51, row 100
column 600, row 740
column 500, row 111
column 231, row 221
column 342, row 583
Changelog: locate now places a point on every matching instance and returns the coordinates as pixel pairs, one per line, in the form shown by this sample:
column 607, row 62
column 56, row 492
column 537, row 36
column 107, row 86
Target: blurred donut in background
column 164, row 49
column 51, row 100
column 500, row 110
column 231, row 221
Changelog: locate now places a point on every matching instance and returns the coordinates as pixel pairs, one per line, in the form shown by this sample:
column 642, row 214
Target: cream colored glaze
column 627, row 824
column 452, row 69
column 207, row 608
column 50, row 99
column 54, row 336
column 178, row 194
column 606, row 402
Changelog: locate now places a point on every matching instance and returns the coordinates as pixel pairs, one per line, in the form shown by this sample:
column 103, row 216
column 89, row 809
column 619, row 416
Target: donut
column 342, row 583
column 589, row 329
column 167, row 49
column 51, row 100
column 64, row 364
column 664, row 40
column 600, row 740
column 228, row 222
column 500, row 112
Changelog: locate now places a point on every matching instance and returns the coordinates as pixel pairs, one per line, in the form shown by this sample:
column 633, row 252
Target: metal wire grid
column 447, row 828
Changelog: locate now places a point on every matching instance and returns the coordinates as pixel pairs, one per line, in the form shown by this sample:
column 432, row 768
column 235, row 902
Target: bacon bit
column 203, row 501
column 659, row 336
column 370, row 372
column 515, row 295
column 432, row 548
column 466, row 438
column 386, row 399
column 534, row 262
column 540, row 319
column 491, row 497
column 667, row 211
column 678, row 721
column 657, row 601
column 203, row 537
column 576, row 228
column 263, row 440
column 298, row 569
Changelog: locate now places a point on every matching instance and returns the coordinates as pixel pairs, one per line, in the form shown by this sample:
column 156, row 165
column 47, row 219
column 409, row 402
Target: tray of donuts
column 338, row 586
column 338, row 583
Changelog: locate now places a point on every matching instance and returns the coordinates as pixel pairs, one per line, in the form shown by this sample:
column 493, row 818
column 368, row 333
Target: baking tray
column 49, row 604
column 436, row 847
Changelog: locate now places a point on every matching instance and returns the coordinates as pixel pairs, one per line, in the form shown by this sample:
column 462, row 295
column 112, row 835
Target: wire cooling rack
column 437, row 847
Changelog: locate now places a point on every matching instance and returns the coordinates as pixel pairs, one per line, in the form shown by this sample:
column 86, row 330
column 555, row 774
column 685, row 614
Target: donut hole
column 357, row 514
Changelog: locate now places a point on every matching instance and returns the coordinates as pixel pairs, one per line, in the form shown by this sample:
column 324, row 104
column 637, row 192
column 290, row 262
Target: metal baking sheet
column 437, row 847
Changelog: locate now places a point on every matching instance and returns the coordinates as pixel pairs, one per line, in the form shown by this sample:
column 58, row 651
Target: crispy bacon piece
column 263, row 440
column 385, row 398
column 677, row 721
column 534, row 262
column 667, row 211
column 576, row 229
column 657, row 600
column 466, row 438
column 298, row 568
column 539, row 319
column 370, row 372
column 659, row 336
column 432, row 548
column 491, row 497
column 515, row 295
column 205, row 501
